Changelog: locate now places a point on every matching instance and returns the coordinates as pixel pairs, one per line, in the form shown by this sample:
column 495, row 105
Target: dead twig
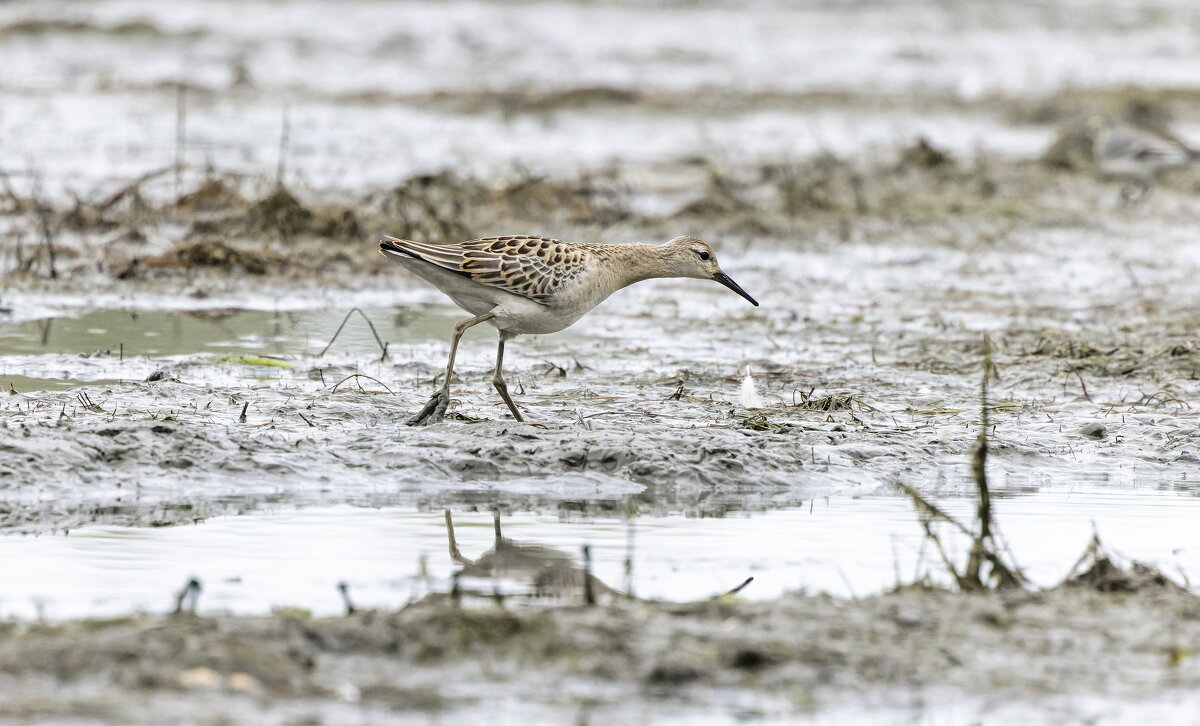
column 737, row 589
column 928, row 513
column 382, row 346
column 344, row 590
column 180, row 134
column 9, row 192
column 984, row 548
column 190, row 594
column 284, row 134
column 86, row 401
column 1083, row 385
column 361, row 375
column 589, row 591
column 41, row 213
column 105, row 204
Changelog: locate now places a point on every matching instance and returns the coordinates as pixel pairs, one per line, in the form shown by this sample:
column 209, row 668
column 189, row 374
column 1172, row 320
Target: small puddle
column 294, row 558
column 226, row 332
column 14, row 383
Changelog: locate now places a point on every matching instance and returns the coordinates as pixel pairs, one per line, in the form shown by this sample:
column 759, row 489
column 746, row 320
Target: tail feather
column 388, row 245
column 448, row 257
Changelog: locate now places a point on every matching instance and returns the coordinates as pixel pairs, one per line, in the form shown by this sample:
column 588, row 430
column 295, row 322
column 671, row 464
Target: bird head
column 691, row 257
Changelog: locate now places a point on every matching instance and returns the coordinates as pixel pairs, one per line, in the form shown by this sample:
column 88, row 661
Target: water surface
column 845, row 546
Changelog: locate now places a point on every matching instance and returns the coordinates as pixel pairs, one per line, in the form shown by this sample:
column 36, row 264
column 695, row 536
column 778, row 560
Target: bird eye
column 703, row 255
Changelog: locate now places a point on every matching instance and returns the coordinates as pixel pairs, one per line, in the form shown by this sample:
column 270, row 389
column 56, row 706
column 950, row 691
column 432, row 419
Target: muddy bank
column 786, row 657
column 867, row 351
column 143, row 235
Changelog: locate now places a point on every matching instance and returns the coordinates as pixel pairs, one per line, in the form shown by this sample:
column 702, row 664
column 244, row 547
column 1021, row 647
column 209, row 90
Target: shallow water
column 13, row 383
column 845, row 546
column 111, row 332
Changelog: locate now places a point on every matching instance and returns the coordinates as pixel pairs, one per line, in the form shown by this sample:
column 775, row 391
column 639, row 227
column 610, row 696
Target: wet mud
column 867, row 359
column 784, row 659
column 194, row 386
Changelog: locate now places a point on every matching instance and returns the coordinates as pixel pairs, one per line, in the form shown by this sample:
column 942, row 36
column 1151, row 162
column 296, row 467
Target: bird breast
column 522, row 316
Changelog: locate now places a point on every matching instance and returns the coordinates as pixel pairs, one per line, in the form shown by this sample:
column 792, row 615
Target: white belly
column 525, row 317
column 514, row 314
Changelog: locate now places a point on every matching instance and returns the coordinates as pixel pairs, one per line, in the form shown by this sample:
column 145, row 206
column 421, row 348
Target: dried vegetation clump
column 1097, row 570
column 215, row 253
column 278, row 213
column 1118, row 359
column 517, row 102
column 921, row 185
column 830, row 402
column 593, row 199
column 45, row 27
column 433, row 207
column 990, row 565
column 226, row 228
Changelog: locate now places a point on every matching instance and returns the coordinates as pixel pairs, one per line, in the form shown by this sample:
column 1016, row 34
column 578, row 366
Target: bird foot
column 519, row 417
column 434, row 410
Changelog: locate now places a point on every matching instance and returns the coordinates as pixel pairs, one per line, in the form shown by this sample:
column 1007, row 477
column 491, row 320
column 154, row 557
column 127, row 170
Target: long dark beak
column 728, row 282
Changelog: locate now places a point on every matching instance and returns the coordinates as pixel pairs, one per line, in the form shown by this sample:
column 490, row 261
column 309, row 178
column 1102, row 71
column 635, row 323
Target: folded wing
column 532, row 267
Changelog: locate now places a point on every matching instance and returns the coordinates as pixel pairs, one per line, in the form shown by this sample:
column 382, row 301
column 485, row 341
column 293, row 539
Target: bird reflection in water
column 549, row 573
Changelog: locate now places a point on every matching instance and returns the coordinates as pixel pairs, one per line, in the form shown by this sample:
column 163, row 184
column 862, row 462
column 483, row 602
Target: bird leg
column 455, row 555
column 498, row 381
column 435, row 408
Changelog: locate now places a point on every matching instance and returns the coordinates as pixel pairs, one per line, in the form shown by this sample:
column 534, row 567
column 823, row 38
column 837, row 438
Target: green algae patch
column 253, row 361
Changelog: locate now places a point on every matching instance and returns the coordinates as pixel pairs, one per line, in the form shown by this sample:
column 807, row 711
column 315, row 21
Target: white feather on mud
column 748, row 396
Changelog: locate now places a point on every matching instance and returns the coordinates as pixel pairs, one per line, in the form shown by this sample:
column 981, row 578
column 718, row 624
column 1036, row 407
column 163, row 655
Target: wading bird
column 1136, row 154
column 537, row 285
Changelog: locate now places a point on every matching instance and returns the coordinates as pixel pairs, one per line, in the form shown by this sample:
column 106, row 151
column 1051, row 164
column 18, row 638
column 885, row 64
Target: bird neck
column 637, row 262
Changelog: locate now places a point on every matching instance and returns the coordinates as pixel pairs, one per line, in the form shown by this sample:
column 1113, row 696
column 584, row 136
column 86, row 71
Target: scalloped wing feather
column 532, row 267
